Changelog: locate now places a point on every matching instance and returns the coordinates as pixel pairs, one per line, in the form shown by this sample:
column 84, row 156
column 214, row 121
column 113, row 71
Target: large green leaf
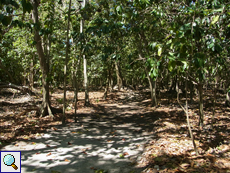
column 215, row 19
column 119, row 10
column 6, row 20
column 27, row 6
column 171, row 65
column 153, row 45
column 159, row 50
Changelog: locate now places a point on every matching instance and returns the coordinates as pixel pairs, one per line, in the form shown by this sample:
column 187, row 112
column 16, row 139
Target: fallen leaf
column 26, row 137
column 16, row 145
column 184, row 165
column 69, row 143
column 84, row 152
column 123, row 139
column 125, row 153
column 84, row 149
column 73, row 132
column 38, row 153
column 53, row 128
column 33, row 143
column 48, row 145
column 48, row 154
column 66, row 160
column 121, row 156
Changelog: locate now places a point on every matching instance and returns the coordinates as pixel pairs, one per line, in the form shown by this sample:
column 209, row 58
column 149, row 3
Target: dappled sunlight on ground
column 122, row 133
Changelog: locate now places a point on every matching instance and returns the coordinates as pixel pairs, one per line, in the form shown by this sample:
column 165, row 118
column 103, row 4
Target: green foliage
column 170, row 38
column 27, row 6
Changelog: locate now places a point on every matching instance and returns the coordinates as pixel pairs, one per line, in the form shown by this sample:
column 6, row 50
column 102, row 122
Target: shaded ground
column 120, row 134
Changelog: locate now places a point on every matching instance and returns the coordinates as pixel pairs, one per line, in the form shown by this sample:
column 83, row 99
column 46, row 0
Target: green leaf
column 172, row 56
column 169, row 42
column 210, row 46
column 6, row 20
column 185, row 64
column 27, row 6
column 215, row 19
column 153, row 45
column 218, row 48
column 219, row 9
column 159, row 50
column 180, row 34
column 119, row 9
column 171, row 65
column 143, row 77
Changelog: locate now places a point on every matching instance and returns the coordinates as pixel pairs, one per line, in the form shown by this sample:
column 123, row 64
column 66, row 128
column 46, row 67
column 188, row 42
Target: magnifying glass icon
column 9, row 160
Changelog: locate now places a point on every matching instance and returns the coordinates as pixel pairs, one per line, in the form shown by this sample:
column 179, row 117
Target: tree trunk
column 76, row 88
column 201, row 111
column 24, row 78
column 186, row 111
column 110, row 78
column 214, row 103
column 31, row 75
column 66, row 62
column 86, row 82
column 191, row 92
column 107, row 83
column 119, row 78
column 152, row 86
column 227, row 91
column 227, row 101
column 85, row 63
column 45, row 107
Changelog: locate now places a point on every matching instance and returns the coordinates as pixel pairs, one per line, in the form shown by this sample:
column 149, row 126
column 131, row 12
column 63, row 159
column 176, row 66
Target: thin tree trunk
column 152, row 84
column 85, row 63
column 107, row 83
column 119, row 78
column 86, row 82
column 187, row 116
column 76, row 88
column 214, row 104
column 66, row 62
column 227, row 101
column 186, row 110
column 31, row 75
column 110, row 78
column 45, row 107
column 201, row 106
column 191, row 92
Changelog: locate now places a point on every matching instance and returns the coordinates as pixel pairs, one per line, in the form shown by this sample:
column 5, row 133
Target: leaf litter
column 170, row 150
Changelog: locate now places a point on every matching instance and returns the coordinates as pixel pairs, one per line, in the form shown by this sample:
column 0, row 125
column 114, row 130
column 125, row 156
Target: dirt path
column 110, row 140
column 122, row 134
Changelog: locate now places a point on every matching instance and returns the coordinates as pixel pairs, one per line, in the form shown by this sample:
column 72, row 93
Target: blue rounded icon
column 8, row 159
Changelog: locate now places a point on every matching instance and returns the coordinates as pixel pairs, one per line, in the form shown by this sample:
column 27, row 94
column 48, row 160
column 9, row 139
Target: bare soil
column 170, row 149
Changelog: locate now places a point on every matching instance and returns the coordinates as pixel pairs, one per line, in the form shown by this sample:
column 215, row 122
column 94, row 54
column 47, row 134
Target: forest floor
column 120, row 134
